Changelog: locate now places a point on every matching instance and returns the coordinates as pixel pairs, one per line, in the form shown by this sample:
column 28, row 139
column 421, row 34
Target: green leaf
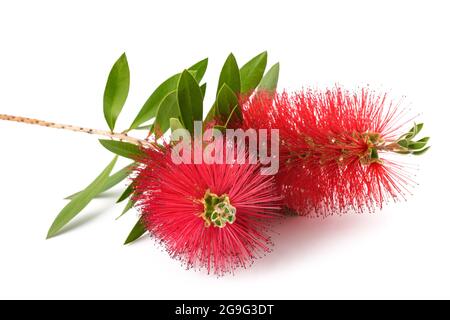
column 137, row 231
column 415, row 130
column 147, row 127
column 419, row 128
column 127, row 208
column 406, row 136
column 236, row 110
column 150, row 108
column 190, row 100
column 270, row 80
column 128, row 191
column 403, row 143
column 200, row 68
column 203, row 89
column 123, row 149
column 402, row 151
column 223, row 128
column 175, row 124
column 230, row 75
column 420, row 152
column 80, row 201
column 252, row 72
column 425, row 139
column 226, row 101
column 168, row 109
column 112, row 181
column 416, row 145
column 116, row 90
column 406, row 139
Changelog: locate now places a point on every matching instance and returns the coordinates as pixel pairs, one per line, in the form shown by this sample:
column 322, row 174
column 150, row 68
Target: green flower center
column 218, row 210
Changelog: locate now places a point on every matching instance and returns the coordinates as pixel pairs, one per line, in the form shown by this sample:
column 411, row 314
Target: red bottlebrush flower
column 213, row 216
column 335, row 148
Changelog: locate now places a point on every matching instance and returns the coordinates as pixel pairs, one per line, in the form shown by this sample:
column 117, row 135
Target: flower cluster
column 336, row 148
column 212, row 216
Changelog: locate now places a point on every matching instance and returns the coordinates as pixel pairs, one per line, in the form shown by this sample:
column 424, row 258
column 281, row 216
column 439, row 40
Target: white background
column 54, row 60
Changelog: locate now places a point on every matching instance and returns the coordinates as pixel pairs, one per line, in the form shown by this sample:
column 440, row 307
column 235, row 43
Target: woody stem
column 393, row 146
column 116, row 136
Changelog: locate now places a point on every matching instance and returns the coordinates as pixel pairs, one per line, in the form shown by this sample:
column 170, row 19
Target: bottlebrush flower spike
column 212, row 216
column 336, row 148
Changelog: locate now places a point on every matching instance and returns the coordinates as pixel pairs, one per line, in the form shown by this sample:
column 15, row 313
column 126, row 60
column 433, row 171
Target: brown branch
column 116, row 136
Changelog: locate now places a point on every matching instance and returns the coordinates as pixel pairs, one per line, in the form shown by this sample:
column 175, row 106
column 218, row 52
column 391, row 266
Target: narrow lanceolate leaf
column 200, row 69
column 403, row 143
column 168, row 109
column 123, row 149
column 127, row 208
column 150, row 107
column 415, row 130
column 175, row 124
column 116, row 90
column 416, row 145
column 419, row 128
column 126, row 194
column 252, row 72
column 203, row 89
column 230, row 75
column 112, row 181
column 270, row 80
column 420, row 152
column 425, row 139
column 80, row 201
column 406, row 137
column 190, row 100
column 226, row 101
column 137, row 231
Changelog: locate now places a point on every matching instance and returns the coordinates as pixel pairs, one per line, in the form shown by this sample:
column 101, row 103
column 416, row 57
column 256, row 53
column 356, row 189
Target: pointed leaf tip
column 80, row 201
column 150, row 107
column 200, row 69
column 137, row 232
column 113, row 180
column 116, row 90
column 123, row 149
column 127, row 208
column 270, row 80
column 252, row 72
column 420, row 152
column 230, row 75
column 126, row 193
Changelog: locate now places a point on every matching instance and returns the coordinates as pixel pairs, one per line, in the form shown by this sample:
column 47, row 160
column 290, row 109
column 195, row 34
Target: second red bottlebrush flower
column 335, row 148
column 212, row 216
